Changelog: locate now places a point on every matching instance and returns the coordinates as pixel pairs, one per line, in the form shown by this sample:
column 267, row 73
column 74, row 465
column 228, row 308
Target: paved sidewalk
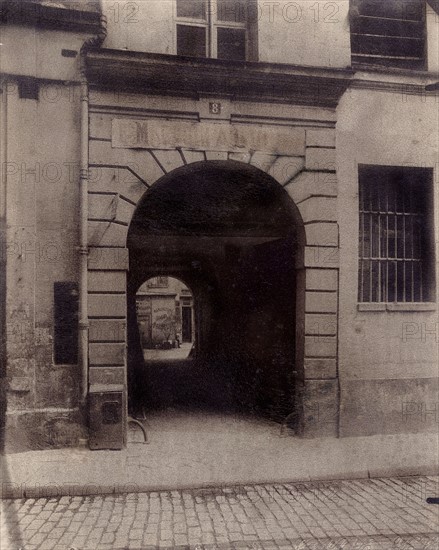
column 353, row 515
column 198, row 450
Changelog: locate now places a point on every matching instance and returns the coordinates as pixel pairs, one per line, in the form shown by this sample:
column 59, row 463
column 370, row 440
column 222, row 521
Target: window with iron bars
column 396, row 260
column 389, row 33
column 219, row 29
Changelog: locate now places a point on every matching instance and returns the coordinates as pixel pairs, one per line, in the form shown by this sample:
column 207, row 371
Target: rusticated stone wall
column 303, row 162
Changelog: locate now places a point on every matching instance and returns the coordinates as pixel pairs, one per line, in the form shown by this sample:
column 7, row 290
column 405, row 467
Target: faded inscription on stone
column 157, row 134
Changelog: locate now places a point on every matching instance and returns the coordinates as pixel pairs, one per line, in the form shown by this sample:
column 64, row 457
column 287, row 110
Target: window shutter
column 388, row 33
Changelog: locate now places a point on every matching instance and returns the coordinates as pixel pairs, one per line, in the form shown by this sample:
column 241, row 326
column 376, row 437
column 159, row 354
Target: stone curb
column 14, row 490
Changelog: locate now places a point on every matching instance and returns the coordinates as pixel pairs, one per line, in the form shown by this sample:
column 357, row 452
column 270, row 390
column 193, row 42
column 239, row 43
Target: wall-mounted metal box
column 107, row 417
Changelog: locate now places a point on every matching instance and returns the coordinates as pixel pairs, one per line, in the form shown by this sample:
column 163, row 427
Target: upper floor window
column 214, row 28
column 158, row 282
column 396, row 263
column 389, row 33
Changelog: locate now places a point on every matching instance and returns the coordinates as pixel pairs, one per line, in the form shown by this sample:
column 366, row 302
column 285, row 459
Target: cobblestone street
column 357, row 515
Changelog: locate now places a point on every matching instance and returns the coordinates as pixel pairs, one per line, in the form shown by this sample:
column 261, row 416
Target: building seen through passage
column 164, row 307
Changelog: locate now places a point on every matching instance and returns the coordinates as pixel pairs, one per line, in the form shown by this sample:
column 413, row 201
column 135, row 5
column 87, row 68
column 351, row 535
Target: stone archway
column 119, row 178
column 235, row 228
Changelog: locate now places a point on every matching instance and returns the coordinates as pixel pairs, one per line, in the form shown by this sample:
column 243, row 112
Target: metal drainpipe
column 83, row 242
column 3, row 258
column 93, row 42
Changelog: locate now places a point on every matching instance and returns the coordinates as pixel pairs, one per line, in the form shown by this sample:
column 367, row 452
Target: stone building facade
column 164, row 311
column 275, row 155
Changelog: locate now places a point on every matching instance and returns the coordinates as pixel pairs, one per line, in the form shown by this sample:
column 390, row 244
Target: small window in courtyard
column 396, row 248
column 66, row 323
column 158, row 282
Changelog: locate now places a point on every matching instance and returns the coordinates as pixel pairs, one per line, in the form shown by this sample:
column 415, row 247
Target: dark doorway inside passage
column 231, row 235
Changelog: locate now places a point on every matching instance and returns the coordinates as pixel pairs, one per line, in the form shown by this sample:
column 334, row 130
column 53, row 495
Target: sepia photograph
column 219, row 244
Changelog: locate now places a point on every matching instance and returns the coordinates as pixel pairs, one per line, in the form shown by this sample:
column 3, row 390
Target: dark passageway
column 229, row 232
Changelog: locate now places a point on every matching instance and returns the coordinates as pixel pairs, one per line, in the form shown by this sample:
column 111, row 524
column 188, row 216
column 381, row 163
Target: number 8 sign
column 214, row 108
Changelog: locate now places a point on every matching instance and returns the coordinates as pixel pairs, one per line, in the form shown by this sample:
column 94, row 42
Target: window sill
column 391, row 306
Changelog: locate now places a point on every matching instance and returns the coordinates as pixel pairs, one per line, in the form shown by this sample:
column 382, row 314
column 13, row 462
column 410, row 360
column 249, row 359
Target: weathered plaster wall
column 301, row 33
column 386, row 358
column 304, row 33
column 432, row 40
column 141, row 26
column 41, row 176
column 43, row 58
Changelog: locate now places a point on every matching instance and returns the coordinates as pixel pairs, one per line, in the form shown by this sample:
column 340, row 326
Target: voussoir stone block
column 107, row 234
column 307, row 184
column 193, row 156
column 140, row 161
column 263, row 161
column 169, row 159
column 116, row 180
column 318, row 209
column 284, row 169
column 216, row 155
column 240, row 157
column 109, row 208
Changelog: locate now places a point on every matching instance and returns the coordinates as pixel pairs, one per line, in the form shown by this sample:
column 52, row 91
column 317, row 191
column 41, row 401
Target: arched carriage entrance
column 234, row 236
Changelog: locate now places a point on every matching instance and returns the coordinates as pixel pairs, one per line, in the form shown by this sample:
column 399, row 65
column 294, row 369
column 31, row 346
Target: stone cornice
column 53, row 17
column 392, row 87
column 399, row 86
column 175, row 75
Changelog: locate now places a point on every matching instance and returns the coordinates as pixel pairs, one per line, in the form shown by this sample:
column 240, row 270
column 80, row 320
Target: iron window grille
column 389, row 33
column 213, row 28
column 395, row 235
